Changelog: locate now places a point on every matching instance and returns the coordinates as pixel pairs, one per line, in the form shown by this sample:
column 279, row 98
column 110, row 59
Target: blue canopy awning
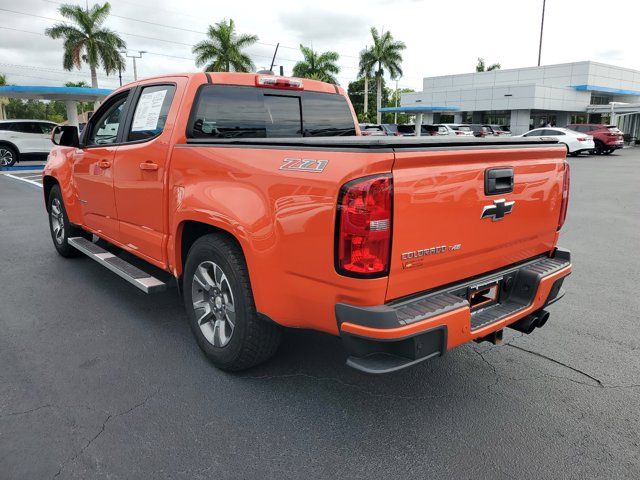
column 420, row 109
column 79, row 94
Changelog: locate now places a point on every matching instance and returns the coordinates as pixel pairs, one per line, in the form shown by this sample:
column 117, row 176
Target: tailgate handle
column 498, row 181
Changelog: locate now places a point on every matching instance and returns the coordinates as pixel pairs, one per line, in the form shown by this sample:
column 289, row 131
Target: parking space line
column 22, row 179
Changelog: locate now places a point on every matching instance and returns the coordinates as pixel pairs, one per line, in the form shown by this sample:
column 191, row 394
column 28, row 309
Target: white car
column 437, row 130
column 460, row 129
column 24, row 139
column 575, row 142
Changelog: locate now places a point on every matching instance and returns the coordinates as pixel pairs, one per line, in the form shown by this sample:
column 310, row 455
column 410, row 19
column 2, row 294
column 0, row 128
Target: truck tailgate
column 439, row 233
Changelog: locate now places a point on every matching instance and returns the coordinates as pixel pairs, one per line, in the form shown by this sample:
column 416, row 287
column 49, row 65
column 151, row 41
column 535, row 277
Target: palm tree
column 365, row 70
column 318, row 66
column 481, row 66
column 384, row 53
column 3, row 101
column 3, row 82
column 85, row 40
column 222, row 50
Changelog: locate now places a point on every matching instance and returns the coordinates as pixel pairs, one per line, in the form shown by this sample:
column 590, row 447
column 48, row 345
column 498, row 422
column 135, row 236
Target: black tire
column 608, row 151
column 60, row 239
column 8, row 156
column 252, row 340
column 599, row 147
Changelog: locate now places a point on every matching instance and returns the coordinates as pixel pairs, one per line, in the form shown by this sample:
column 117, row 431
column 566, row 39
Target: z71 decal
column 304, row 165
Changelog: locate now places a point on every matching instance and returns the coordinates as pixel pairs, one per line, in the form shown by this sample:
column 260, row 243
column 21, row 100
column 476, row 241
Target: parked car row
column 583, row 137
column 30, row 139
column 578, row 138
column 453, row 129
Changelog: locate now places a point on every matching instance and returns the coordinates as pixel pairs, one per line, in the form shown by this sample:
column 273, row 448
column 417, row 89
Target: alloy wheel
column 57, row 220
column 213, row 303
column 6, row 157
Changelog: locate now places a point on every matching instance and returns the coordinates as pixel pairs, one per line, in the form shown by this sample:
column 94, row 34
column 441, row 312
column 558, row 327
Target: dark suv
column 607, row 138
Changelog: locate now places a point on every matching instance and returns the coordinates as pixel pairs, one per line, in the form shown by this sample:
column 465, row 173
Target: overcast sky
column 442, row 37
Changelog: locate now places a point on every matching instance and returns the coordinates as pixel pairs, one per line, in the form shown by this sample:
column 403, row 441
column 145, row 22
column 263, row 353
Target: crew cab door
column 140, row 166
column 93, row 167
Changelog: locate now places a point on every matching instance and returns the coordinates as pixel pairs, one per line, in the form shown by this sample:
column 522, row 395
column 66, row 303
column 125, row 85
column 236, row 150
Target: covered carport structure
column 625, row 115
column 420, row 111
column 69, row 95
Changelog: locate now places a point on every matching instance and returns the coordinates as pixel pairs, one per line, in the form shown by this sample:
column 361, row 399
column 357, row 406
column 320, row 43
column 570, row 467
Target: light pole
column 544, row 4
column 395, row 114
column 134, row 57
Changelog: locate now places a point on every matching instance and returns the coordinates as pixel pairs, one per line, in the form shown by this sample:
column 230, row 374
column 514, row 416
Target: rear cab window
column 225, row 111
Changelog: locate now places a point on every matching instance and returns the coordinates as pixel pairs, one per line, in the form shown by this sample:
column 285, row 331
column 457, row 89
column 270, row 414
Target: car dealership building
column 525, row 98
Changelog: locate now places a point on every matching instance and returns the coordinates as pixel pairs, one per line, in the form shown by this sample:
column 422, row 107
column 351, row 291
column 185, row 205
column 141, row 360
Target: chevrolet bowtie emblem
column 498, row 210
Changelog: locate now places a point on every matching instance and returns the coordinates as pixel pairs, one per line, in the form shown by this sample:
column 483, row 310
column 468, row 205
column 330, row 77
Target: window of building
column 600, row 99
column 579, row 118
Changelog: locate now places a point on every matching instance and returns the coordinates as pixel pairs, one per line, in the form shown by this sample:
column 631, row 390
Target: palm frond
column 85, row 41
column 222, row 50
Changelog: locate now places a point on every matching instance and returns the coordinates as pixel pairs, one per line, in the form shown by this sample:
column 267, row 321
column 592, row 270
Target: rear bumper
column 396, row 335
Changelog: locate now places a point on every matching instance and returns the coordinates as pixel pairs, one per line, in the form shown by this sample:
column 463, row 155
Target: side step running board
column 124, row 269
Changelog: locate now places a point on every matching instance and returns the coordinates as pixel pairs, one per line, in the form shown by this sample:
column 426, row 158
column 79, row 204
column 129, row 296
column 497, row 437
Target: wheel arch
column 48, row 183
column 191, row 230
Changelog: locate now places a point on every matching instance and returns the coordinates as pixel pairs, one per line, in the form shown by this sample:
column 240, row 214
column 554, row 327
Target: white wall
column 519, row 123
column 547, row 88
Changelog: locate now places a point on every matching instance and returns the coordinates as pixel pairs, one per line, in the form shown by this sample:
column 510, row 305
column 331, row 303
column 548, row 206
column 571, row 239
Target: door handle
column 148, row 166
column 104, row 164
column 498, row 181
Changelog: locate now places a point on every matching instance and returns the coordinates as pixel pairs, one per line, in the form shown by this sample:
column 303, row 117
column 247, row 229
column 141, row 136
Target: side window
column 229, row 112
column 104, row 131
column 46, row 127
column 534, row 133
column 151, row 112
column 5, row 126
column 23, row 127
column 326, row 115
column 283, row 116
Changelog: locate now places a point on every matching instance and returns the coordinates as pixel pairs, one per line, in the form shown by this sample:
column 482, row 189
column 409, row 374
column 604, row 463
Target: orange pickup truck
column 259, row 196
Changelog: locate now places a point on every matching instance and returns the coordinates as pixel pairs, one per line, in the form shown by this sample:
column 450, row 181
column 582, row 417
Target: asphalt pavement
column 98, row 380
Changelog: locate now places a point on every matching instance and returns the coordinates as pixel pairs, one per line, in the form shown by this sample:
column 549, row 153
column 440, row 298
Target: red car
column 606, row 137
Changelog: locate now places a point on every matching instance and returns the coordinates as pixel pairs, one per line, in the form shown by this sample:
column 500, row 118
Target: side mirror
column 65, row 136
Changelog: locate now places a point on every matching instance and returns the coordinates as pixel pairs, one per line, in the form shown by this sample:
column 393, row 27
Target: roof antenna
column 273, row 60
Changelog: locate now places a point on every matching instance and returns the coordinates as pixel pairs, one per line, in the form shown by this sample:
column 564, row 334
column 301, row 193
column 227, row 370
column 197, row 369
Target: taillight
column 271, row 81
column 363, row 227
column 565, row 195
column 581, row 139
